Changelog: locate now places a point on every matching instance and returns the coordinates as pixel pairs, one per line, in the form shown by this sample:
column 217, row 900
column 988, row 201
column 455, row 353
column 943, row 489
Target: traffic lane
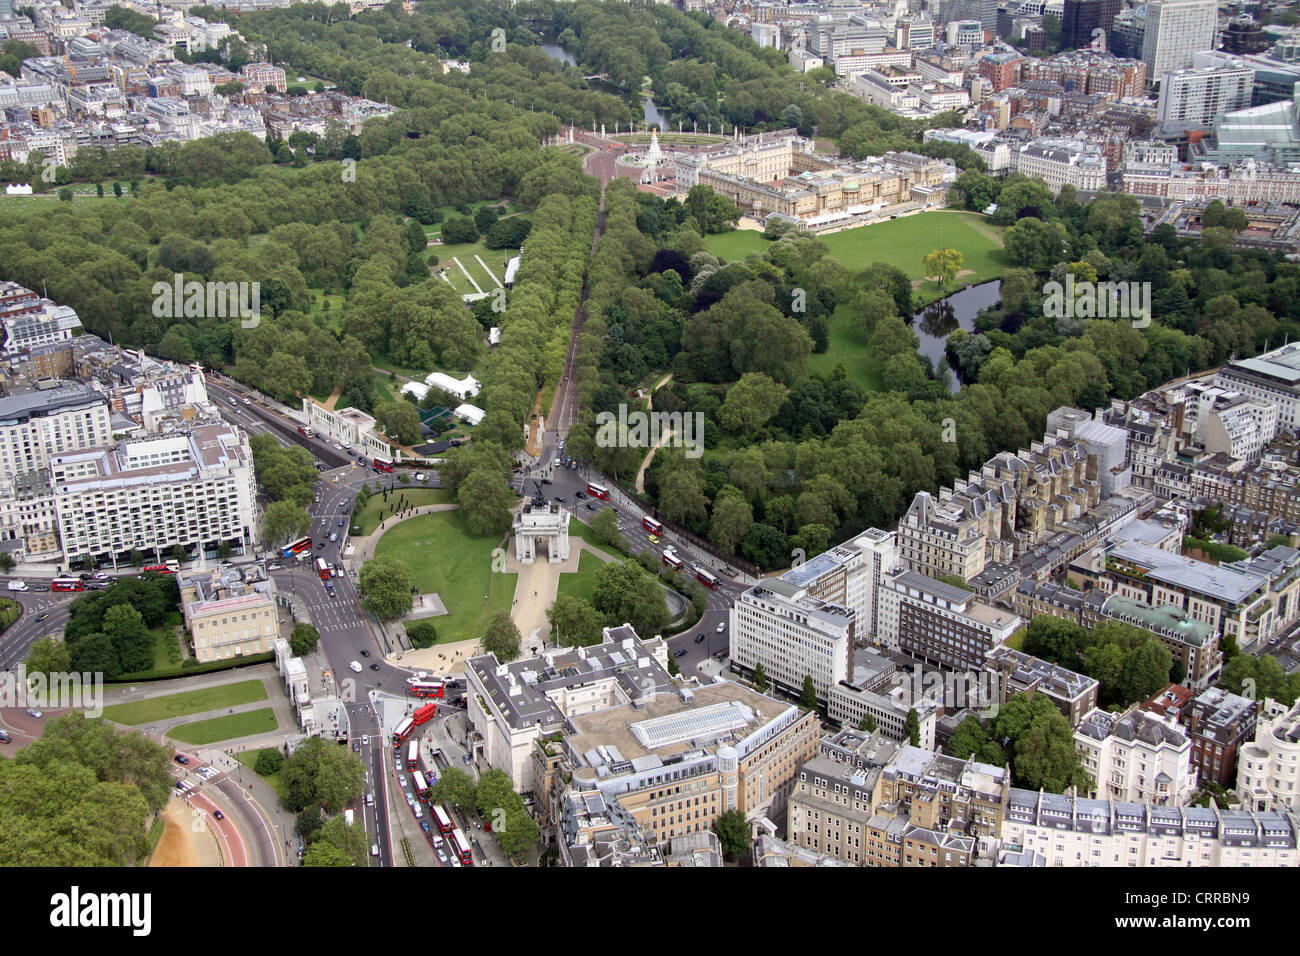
column 262, row 845
column 18, row 638
column 233, row 849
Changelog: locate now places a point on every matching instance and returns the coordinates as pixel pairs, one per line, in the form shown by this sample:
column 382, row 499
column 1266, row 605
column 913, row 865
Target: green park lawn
column 583, row 583
column 465, row 252
column 230, row 727
column 903, row 243
column 189, row 702
column 444, row 557
column 367, row 519
column 847, row 348
column 276, row 780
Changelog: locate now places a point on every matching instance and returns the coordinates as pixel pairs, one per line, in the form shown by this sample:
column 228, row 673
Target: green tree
column 323, row 853
column 304, row 639
column 400, row 420
column 604, row 528
column 454, row 787
column 386, row 587
column 124, row 626
column 284, row 521
column 48, row 656
column 808, row 698
column 574, row 622
column 351, row 840
column 867, row 724
column 625, row 594
column 943, row 264
column 760, row 678
column 502, row 638
column 733, row 833
column 485, row 501
column 751, row 402
column 269, row 760
column 912, row 727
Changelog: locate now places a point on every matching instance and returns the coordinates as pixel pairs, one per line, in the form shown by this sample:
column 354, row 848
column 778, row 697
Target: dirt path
column 332, row 400
column 180, row 844
column 649, row 456
column 533, row 446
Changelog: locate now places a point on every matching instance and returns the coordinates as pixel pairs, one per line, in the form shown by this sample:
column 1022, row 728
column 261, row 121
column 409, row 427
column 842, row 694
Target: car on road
column 558, row 463
column 207, row 773
column 681, row 652
column 329, row 589
column 181, row 759
column 364, row 652
column 560, row 499
column 465, row 758
column 420, row 476
column 319, row 545
column 397, row 765
column 218, row 815
column 579, row 494
column 84, row 575
column 247, row 402
column 340, row 522
column 699, row 638
column 590, row 506
column 442, row 857
column 274, row 567
column 365, row 740
column 334, row 535
column 424, row 825
column 374, row 667
column 722, row 627
column 41, row 617
column 5, row 738
column 654, row 539
column 101, row 576
column 355, row 665
column 546, row 481
column 34, row 713
column 356, row 746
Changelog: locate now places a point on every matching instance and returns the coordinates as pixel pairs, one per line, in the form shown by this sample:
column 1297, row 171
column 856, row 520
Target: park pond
column 939, row 319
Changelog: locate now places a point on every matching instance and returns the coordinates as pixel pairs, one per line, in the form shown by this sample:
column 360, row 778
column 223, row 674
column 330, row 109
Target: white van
column 355, row 666
column 370, row 799
column 374, row 849
column 17, row 585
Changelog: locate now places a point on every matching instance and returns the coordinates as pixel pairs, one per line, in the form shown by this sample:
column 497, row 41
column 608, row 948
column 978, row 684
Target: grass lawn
column 900, row 242
column 583, row 584
column 444, row 557
column 847, row 347
column 465, row 252
column 9, row 612
column 1017, row 640
column 367, row 519
column 382, row 392
column 276, row 780
column 167, row 647
column 189, row 702
column 260, row 721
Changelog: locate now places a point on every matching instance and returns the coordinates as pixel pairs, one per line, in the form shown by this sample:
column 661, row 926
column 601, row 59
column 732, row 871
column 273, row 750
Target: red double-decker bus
column 597, row 491
column 403, row 731
column 67, row 584
column 419, row 785
column 424, row 714
column 322, row 568
column 412, row 755
column 441, row 819
column 383, row 464
column 425, row 688
column 705, row 578
column 672, row 561
column 158, row 569
column 298, row 547
column 460, row 847
column 654, row 527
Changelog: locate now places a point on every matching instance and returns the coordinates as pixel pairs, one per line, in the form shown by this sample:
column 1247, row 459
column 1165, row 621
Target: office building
column 1061, row 162
column 1273, row 378
column 1048, row 829
column 1175, row 31
column 1080, row 19
column 937, row 622
column 51, row 419
column 792, row 635
column 193, row 488
column 1192, row 98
